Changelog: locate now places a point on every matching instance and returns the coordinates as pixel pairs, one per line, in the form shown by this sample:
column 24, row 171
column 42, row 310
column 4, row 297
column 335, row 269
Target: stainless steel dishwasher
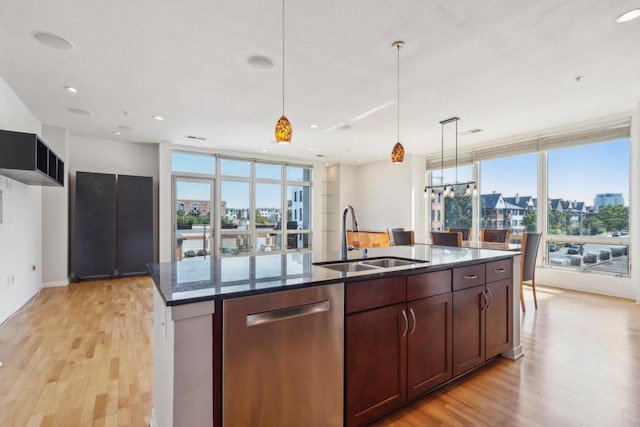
column 283, row 359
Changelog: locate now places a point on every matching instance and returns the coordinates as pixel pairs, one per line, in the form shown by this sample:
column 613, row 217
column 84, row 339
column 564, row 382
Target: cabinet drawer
column 468, row 277
column 375, row 293
column 428, row 284
column 499, row 270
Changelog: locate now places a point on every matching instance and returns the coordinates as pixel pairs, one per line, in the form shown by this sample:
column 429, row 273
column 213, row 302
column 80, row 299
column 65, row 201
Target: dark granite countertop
column 197, row 279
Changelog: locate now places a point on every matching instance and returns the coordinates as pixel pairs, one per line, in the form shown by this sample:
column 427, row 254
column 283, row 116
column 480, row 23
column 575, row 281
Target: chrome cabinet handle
column 406, row 323
column 483, row 301
column 470, row 276
column 499, row 270
column 490, row 298
column 287, row 313
column 413, row 315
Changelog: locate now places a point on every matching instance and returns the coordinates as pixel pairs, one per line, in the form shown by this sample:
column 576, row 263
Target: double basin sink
column 368, row 264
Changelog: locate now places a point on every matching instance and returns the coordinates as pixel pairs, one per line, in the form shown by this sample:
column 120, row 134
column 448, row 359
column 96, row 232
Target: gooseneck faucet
column 354, row 226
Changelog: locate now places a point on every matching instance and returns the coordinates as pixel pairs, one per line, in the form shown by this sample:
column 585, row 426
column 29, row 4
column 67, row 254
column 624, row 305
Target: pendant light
column 283, row 127
column 397, row 154
column 446, row 189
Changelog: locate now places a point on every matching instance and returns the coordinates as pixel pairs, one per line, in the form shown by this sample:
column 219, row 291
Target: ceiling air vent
column 468, row 132
column 196, row 138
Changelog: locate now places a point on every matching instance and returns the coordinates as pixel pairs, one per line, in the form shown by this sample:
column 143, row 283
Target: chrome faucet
column 354, row 226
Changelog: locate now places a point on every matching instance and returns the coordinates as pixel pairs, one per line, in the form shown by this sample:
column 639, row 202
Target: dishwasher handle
column 287, row 313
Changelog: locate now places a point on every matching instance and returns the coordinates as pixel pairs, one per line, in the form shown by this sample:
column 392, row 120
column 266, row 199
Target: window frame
column 252, row 180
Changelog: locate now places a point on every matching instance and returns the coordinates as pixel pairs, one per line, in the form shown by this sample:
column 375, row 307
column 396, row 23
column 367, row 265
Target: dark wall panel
column 135, row 224
column 95, row 225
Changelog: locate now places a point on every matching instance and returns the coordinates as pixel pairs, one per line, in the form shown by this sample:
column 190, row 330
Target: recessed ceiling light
column 314, row 126
column 116, row 133
column 260, row 62
column 628, row 16
column 71, row 89
column 470, row 131
column 312, row 149
column 52, row 40
column 79, row 111
column 264, row 150
column 159, row 118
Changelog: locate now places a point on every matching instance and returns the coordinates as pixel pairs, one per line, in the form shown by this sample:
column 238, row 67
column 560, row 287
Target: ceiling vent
column 469, row 132
column 196, row 138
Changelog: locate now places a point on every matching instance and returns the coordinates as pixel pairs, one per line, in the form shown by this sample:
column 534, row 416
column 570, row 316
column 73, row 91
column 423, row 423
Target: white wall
column 114, row 157
column 55, row 216
column 20, row 232
column 383, row 195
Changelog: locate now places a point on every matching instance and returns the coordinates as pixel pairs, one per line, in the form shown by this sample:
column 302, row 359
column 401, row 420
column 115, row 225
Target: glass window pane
column 589, row 189
column 233, row 269
column 268, row 241
column 235, row 168
column 234, row 206
column 268, row 266
column 298, row 240
column 268, row 171
column 589, row 256
column 298, row 174
column 235, row 243
column 509, row 194
column 193, row 163
column 450, row 212
column 298, row 207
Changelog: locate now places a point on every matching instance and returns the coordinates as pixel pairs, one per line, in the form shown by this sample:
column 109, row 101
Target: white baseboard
column 56, row 283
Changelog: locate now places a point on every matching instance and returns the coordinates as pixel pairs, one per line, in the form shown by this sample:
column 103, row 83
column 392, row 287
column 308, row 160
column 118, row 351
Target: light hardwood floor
column 81, row 355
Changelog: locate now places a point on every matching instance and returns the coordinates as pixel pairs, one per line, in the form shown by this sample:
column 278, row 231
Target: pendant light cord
column 398, row 93
column 283, row 57
column 456, row 152
column 441, row 154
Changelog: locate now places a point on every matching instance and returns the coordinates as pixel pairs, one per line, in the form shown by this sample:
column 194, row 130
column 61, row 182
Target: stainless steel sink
column 368, row 264
column 348, row 266
column 388, row 262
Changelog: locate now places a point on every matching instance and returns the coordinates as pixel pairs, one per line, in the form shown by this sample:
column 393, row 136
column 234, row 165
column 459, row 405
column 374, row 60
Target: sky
column 577, row 173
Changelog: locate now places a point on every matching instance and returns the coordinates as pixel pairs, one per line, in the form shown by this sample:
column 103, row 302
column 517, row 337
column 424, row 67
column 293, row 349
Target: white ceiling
column 504, row 66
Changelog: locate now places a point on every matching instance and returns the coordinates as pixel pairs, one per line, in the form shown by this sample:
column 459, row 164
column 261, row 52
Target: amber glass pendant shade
column 284, row 131
column 397, row 154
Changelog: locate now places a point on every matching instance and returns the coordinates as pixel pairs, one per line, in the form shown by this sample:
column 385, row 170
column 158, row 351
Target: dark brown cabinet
column 429, row 344
column 468, row 329
column 482, row 313
column 400, row 351
column 376, row 362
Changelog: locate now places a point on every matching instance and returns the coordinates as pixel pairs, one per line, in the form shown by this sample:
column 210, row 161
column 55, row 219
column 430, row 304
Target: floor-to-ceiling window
column 571, row 186
column 451, row 205
column 508, row 194
column 588, row 207
column 228, row 206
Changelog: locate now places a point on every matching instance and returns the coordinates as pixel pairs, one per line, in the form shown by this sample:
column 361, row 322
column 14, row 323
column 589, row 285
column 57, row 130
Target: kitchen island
column 353, row 345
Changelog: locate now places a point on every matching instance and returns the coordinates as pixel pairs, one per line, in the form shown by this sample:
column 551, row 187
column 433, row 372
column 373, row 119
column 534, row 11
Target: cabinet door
column 135, row 224
column 94, row 246
column 499, row 317
column 376, row 379
column 468, row 329
column 429, row 344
